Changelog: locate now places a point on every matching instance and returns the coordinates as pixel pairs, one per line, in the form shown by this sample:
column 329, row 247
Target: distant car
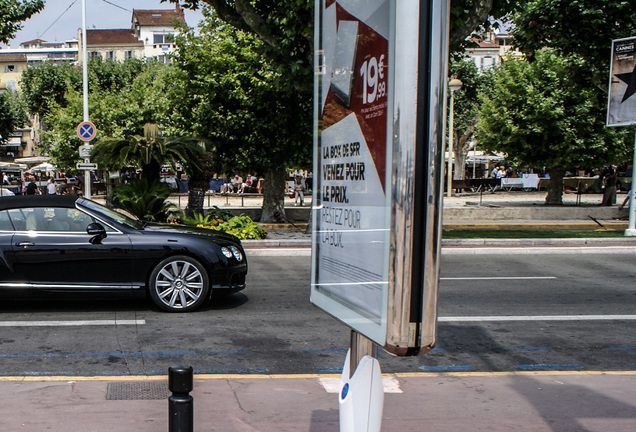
column 66, row 244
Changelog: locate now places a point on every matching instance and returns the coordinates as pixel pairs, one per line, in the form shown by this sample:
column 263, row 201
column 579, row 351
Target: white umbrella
column 43, row 167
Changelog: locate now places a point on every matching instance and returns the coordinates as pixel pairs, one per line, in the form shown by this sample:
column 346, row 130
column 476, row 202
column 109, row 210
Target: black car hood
column 185, row 229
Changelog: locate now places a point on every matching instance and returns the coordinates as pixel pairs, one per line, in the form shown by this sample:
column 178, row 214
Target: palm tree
column 149, row 152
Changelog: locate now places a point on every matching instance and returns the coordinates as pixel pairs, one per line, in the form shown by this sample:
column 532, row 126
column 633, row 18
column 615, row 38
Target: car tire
column 179, row 284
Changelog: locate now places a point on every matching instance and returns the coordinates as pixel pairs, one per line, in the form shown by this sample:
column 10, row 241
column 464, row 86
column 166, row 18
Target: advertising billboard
column 621, row 109
column 378, row 134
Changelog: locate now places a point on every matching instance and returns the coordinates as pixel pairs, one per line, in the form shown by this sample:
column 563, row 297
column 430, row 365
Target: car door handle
column 25, row 244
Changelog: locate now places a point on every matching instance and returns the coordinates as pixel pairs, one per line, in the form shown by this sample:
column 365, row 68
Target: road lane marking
column 499, row 278
column 537, row 318
column 70, row 323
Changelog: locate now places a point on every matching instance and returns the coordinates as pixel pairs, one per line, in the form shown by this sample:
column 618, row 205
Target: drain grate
column 138, row 390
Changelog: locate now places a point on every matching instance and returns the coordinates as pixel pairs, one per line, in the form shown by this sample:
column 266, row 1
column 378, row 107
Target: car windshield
column 112, row 214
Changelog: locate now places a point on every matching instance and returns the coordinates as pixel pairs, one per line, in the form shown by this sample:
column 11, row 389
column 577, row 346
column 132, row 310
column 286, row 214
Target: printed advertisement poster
column 622, row 89
column 351, row 217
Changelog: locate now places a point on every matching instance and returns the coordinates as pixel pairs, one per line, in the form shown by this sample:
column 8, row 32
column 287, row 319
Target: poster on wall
column 621, row 109
column 351, row 219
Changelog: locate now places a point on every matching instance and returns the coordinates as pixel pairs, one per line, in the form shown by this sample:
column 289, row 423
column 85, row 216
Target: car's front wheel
column 179, row 284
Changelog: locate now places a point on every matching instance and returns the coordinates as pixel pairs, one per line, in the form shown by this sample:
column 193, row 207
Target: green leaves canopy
column 13, row 12
column 582, row 27
column 540, row 116
column 229, row 96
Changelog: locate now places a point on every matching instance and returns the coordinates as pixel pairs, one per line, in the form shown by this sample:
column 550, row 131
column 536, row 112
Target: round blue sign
column 86, row 131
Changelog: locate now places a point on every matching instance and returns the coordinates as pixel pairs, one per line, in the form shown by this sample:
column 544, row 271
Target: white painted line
column 70, row 323
column 332, row 385
column 499, row 278
column 537, row 318
column 285, row 252
column 538, row 250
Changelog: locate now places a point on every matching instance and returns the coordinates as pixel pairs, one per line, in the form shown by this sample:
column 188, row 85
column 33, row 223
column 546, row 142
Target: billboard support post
column 380, row 78
column 621, row 103
column 631, row 227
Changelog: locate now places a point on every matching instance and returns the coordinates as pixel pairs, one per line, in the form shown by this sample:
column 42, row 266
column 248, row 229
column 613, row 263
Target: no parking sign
column 86, row 131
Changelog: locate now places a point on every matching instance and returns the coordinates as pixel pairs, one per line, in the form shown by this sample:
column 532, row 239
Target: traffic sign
column 86, row 166
column 86, row 131
column 85, row 151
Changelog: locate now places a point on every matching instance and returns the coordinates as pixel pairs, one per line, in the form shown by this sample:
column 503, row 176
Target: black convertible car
column 73, row 245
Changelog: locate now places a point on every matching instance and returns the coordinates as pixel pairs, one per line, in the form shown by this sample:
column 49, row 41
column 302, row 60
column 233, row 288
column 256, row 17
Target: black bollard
column 180, row 404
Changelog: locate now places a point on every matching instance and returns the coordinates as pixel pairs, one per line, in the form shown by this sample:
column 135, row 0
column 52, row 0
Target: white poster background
column 350, row 233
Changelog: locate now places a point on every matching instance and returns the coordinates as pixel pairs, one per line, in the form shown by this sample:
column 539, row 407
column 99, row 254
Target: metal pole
column 180, row 404
column 631, row 228
column 87, row 174
column 360, row 346
column 84, row 61
column 449, row 186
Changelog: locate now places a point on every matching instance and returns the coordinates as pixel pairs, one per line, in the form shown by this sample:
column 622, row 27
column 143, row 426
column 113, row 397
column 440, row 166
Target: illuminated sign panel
column 622, row 87
column 367, row 162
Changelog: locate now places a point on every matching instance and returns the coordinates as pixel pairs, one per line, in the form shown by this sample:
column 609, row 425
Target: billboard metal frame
column 401, row 313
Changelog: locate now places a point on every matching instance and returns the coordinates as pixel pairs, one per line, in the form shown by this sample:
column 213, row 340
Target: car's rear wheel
column 179, row 284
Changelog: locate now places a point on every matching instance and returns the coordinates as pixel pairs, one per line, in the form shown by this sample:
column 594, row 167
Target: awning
column 33, row 159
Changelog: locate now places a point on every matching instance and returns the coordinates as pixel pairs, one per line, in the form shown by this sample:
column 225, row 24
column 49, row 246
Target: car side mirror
column 97, row 231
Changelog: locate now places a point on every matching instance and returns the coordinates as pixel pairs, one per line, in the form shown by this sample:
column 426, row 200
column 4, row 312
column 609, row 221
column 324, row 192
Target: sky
column 61, row 19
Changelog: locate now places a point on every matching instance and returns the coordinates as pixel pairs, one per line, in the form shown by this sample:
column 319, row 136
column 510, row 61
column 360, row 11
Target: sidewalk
column 467, row 402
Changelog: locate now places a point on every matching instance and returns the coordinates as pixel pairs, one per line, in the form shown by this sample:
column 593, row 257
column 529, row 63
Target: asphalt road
column 497, row 313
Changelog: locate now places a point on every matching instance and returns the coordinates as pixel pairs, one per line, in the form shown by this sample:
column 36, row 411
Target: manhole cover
column 138, row 390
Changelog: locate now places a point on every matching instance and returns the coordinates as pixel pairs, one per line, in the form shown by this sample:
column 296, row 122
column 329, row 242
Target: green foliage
column 198, row 219
column 144, row 199
column 233, row 98
column 149, row 151
column 539, row 115
column 45, row 86
column 242, row 227
column 13, row 12
column 12, row 114
column 582, row 27
column 222, row 214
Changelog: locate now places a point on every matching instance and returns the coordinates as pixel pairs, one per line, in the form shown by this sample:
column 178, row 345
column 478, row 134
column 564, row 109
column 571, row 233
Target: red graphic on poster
column 367, row 96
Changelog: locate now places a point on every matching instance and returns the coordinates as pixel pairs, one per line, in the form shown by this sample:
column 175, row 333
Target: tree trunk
column 274, row 197
column 151, row 171
column 196, row 199
column 555, row 188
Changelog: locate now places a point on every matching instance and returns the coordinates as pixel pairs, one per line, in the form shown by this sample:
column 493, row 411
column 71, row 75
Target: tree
column 467, row 105
column 45, row 86
column 148, row 152
column 584, row 27
column 12, row 114
column 229, row 96
column 13, row 12
column 540, row 116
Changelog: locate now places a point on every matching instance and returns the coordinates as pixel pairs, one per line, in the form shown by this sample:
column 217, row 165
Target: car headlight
column 237, row 253
column 232, row 251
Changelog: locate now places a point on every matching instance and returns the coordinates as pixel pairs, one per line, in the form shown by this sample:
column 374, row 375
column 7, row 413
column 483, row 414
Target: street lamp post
column 453, row 85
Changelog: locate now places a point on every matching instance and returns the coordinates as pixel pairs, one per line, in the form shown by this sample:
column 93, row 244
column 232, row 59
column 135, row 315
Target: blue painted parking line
column 229, row 371
column 329, row 369
column 454, row 368
column 548, row 366
column 527, row 348
column 621, row 347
